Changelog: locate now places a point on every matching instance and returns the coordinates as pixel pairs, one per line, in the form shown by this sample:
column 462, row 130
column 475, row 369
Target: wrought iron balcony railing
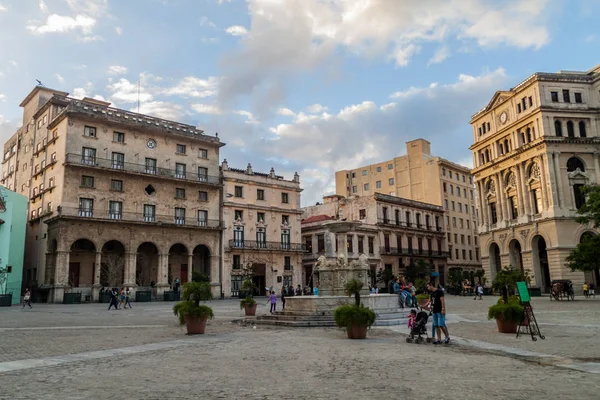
column 402, row 251
column 404, row 224
column 257, row 245
column 126, row 216
column 105, row 163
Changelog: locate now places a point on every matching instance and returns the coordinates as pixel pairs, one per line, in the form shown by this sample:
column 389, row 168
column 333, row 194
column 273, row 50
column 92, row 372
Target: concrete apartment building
column 261, row 217
column 429, row 179
column 115, row 198
column 535, row 146
column 392, row 232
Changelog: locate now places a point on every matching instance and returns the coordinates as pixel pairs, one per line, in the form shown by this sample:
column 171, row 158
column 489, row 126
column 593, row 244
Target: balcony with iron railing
column 141, row 169
column 405, row 251
column 258, row 245
column 136, row 217
column 411, row 225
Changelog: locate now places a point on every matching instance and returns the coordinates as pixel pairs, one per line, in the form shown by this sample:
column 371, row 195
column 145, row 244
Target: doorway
column 259, row 279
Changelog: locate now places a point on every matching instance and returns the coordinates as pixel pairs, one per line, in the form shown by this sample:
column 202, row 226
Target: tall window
column 407, row 218
column 202, row 174
column 397, row 215
column 285, row 239
column 418, row 218
column 579, row 196
column 361, row 245
column 420, row 245
column 409, row 240
column 384, row 212
column 86, row 207
column 150, row 166
column 180, row 148
column 115, row 209
column 239, row 191
column 570, row 129
column 320, row 243
column 349, row 244
column 308, row 243
column 237, row 262
column 284, row 198
column 558, row 128
column 378, row 184
column 118, row 160
column 180, row 171
column 391, row 181
column 180, row 216
column 260, row 194
column 287, row 263
column 493, row 214
column 566, row 96
column 582, row 132
column 514, row 211
column 371, row 243
column 149, row 213
column 537, row 201
column 88, row 156
column 238, row 236
column 554, row 97
column 261, row 238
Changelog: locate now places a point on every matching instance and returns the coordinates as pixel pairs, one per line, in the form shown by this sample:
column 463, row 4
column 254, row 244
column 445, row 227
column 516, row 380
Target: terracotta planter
column 506, row 326
column 250, row 310
column 357, row 331
column 195, row 325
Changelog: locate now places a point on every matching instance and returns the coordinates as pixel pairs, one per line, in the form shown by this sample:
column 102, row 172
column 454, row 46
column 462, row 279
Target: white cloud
column 87, row 39
column 194, row 87
column 207, row 109
column 2, row 97
column 316, row 109
column 59, row 78
column 237, row 30
column 209, row 40
column 119, row 30
column 440, row 55
column 250, row 118
column 295, row 36
column 58, row 23
column 43, row 6
column 286, row 112
column 161, row 109
column 117, row 70
column 124, row 91
column 3, row 8
column 204, row 21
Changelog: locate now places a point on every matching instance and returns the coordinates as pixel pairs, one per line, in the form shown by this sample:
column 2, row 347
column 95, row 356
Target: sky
column 307, row 86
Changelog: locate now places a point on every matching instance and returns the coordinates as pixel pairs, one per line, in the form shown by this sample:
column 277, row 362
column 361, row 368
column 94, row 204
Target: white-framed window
column 202, row 218
column 202, row 153
column 202, row 174
column 180, row 170
column 88, row 156
column 180, row 149
column 115, row 209
column 89, row 131
column 179, row 216
column 86, row 207
column 149, row 213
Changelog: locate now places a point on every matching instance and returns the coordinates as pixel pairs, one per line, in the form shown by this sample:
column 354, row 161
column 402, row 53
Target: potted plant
column 507, row 314
column 423, row 299
column 355, row 318
column 189, row 311
column 5, row 298
column 249, row 306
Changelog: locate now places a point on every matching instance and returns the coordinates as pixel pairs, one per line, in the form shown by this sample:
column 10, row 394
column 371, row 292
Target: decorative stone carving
column 524, row 233
column 512, row 179
column 502, row 237
column 491, row 187
column 534, row 171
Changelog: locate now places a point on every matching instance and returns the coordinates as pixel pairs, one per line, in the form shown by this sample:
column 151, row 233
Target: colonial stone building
column 393, row 232
column 423, row 177
column 535, row 146
column 261, row 216
column 115, row 198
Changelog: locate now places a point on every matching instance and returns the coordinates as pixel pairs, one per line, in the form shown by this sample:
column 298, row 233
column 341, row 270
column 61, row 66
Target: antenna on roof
column 138, row 97
column 39, row 82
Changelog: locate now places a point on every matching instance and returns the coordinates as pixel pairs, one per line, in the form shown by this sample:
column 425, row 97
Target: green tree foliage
column 353, row 288
column 419, row 270
column 586, row 256
column 508, row 277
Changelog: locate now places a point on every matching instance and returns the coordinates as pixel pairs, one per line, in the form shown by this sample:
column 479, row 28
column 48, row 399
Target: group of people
column 288, row 291
column 118, row 298
column 589, row 290
column 406, row 292
column 478, row 291
column 437, row 309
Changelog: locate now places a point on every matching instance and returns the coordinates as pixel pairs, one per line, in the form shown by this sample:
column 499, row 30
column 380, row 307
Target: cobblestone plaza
column 85, row 351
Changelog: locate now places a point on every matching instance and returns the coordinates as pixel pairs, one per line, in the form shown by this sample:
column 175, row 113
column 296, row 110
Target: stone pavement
column 84, row 351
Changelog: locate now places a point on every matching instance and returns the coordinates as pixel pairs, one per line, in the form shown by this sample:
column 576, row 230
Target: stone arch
column 112, row 265
column 494, row 260
column 201, row 261
column 575, row 162
column 541, row 268
column 178, row 263
column 82, row 259
column 570, row 129
column 515, row 254
column 147, row 264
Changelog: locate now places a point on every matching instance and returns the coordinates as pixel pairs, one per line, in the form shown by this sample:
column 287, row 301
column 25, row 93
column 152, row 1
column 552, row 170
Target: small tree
column 455, row 278
column 113, row 266
column 419, row 270
column 586, row 256
column 508, row 277
column 353, row 288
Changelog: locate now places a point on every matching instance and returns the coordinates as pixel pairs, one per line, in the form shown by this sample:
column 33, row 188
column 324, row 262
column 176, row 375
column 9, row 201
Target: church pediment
column 498, row 98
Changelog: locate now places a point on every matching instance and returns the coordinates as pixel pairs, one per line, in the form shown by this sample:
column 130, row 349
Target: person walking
column 113, row 299
column 585, row 289
column 273, row 299
column 127, row 295
column 438, row 309
column 592, row 290
column 27, row 298
column 283, row 297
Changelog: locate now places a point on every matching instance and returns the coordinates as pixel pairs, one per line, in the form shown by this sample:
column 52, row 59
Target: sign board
column 523, row 292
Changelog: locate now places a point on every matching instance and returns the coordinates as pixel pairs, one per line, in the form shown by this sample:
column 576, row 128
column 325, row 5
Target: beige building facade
column 393, row 232
column 422, row 177
column 261, row 217
column 535, row 146
column 116, row 198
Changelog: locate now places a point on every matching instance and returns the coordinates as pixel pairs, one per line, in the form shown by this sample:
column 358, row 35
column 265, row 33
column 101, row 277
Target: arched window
column 558, row 128
column 529, row 138
column 506, row 149
column 481, row 158
column 570, row 129
column 582, row 129
column 522, row 134
column 573, row 163
column 487, row 155
column 500, row 149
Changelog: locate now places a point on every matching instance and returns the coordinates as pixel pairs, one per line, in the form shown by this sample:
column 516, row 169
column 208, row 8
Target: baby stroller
column 419, row 329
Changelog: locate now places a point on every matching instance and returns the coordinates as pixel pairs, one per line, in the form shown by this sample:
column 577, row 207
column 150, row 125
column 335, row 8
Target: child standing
column 27, row 298
column 412, row 318
column 273, row 299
